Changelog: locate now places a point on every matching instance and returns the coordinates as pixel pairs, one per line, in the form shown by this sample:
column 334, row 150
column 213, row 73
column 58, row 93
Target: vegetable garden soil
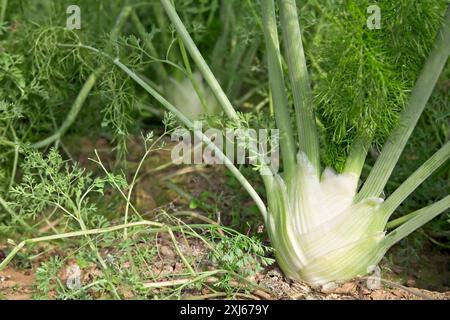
column 18, row 280
column 17, row 284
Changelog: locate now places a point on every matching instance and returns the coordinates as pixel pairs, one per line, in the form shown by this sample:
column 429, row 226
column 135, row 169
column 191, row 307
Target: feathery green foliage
column 363, row 76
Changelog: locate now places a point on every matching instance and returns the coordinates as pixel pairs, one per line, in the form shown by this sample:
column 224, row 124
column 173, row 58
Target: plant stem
column 198, row 216
column 16, row 159
column 301, row 87
column 227, row 19
column 73, row 113
column 414, row 180
column 4, row 5
column 161, row 22
column 133, row 182
column 277, row 86
column 235, row 66
column 198, row 59
column 159, row 227
column 130, row 191
column 118, row 25
column 159, row 67
column 114, row 183
column 177, row 248
column 399, row 221
column 194, row 83
column 420, row 218
column 393, row 148
column 357, row 156
column 73, row 234
column 237, row 74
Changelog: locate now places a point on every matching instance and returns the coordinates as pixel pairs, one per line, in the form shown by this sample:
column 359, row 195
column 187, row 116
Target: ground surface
column 157, row 263
column 18, row 285
column 167, row 273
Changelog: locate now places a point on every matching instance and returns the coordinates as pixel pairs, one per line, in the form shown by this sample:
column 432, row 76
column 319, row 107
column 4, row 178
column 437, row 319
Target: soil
column 17, row 285
column 151, row 193
column 270, row 284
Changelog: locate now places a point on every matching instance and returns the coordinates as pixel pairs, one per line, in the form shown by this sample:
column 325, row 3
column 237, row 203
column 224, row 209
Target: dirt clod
column 166, row 251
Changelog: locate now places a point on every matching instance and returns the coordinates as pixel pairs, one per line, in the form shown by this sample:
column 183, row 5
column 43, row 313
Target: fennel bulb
column 318, row 233
column 184, row 96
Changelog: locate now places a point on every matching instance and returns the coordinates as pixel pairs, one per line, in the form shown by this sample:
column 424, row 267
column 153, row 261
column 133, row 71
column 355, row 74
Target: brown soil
column 356, row 289
column 17, row 285
column 151, row 194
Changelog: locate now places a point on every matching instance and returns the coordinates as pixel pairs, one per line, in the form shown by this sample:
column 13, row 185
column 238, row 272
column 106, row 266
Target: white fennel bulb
column 319, row 234
column 183, row 95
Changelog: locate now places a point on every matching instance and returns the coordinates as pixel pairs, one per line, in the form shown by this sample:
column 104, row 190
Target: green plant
column 241, row 254
column 322, row 228
column 110, row 259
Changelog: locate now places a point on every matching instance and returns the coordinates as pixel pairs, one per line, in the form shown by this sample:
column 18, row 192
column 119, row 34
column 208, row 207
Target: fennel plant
column 322, row 226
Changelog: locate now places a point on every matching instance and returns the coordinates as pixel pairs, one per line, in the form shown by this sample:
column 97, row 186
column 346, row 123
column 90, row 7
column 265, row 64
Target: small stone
column 166, row 251
column 328, row 287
